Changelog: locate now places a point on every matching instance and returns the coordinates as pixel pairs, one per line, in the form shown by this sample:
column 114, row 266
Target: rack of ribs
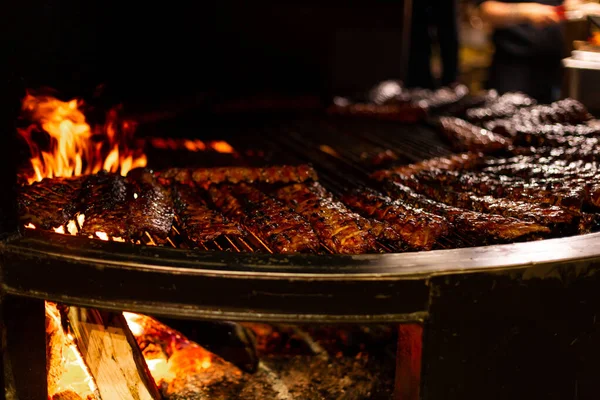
column 283, row 230
column 198, row 222
column 106, row 198
column 455, row 162
column 50, row 203
column 465, row 136
column 480, row 225
column 417, row 228
column 151, row 209
column 548, row 215
column 211, row 176
column 338, row 228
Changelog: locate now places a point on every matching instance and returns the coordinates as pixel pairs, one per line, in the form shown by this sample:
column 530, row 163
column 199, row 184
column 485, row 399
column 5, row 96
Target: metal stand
column 24, row 348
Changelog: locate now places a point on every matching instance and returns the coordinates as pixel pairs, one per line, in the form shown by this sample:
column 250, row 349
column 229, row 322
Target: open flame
column 179, row 356
column 67, row 370
column 73, row 148
column 195, row 145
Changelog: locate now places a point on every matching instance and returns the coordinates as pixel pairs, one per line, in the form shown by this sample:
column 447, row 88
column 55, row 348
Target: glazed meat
column 208, row 176
column 465, row 136
column 341, row 230
column 417, row 228
column 457, row 162
column 199, row 223
column 106, row 199
column 501, row 107
column 479, row 225
column 283, row 230
column 50, row 203
column 511, row 188
column 152, row 207
column 549, row 215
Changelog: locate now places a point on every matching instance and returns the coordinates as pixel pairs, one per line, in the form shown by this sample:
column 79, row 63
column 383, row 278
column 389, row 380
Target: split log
column 112, row 355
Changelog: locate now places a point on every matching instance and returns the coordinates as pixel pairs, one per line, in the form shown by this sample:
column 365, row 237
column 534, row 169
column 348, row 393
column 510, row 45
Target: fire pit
column 509, row 320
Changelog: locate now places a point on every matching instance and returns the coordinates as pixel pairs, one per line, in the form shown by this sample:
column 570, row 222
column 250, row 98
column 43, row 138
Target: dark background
column 156, row 50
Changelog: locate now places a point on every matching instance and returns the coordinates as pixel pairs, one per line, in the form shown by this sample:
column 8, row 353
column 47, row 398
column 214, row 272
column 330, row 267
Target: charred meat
column 417, row 228
column 465, row 136
column 199, row 223
column 283, row 230
column 208, row 176
column 495, row 227
column 106, row 198
column 152, row 207
column 457, row 162
column 549, row 215
column 50, row 203
column 341, row 230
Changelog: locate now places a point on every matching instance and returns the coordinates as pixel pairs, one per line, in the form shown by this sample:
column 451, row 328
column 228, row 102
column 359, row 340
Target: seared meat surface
column 50, row 203
column 199, row 223
column 474, row 224
column 549, row 215
column 465, row 136
column 340, row 229
column 208, row 176
column 106, row 199
column 152, row 207
column 456, row 162
column 283, row 230
column 417, row 228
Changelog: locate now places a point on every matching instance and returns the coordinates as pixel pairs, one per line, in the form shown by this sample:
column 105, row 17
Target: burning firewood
column 112, row 355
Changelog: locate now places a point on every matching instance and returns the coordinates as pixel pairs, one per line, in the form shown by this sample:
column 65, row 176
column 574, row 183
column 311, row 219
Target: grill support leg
column 408, row 362
column 24, row 347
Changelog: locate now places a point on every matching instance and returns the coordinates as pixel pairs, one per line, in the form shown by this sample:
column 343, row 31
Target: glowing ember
column 30, row 226
column 174, row 355
column 221, row 146
column 60, row 229
column 72, row 150
column 102, row 235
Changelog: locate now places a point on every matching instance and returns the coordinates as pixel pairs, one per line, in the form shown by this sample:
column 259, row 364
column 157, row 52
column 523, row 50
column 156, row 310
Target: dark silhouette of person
column 433, row 21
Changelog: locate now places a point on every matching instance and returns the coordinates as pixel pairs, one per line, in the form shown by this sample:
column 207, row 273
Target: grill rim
column 55, row 267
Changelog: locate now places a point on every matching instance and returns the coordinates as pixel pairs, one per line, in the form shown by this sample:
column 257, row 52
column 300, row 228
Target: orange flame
column 220, row 146
column 72, row 150
column 180, row 356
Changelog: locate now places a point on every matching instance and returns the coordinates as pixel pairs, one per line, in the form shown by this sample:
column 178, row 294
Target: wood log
column 112, row 355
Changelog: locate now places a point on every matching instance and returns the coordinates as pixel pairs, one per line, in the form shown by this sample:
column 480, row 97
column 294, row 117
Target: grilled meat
column 106, row 198
column 548, row 168
column 282, row 229
column 480, row 225
column 50, row 203
column 199, row 223
column 549, row 215
column 152, row 207
column 338, row 228
column 208, row 176
column 501, row 107
column 417, row 228
column 465, row 136
column 456, row 162
column 571, row 197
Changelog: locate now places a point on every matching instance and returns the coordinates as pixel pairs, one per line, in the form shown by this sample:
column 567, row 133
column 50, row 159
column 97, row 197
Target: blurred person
column 529, row 44
column 433, row 21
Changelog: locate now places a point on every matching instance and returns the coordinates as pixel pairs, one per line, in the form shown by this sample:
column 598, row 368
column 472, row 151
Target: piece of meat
column 549, row 215
column 340, row 229
column 283, row 230
column 465, row 136
column 511, row 188
column 455, row 162
column 50, row 203
column 417, row 228
column 151, row 209
column 106, row 199
column 472, row 223
column 500, row 107
column 208, row 176
column 198, row 222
